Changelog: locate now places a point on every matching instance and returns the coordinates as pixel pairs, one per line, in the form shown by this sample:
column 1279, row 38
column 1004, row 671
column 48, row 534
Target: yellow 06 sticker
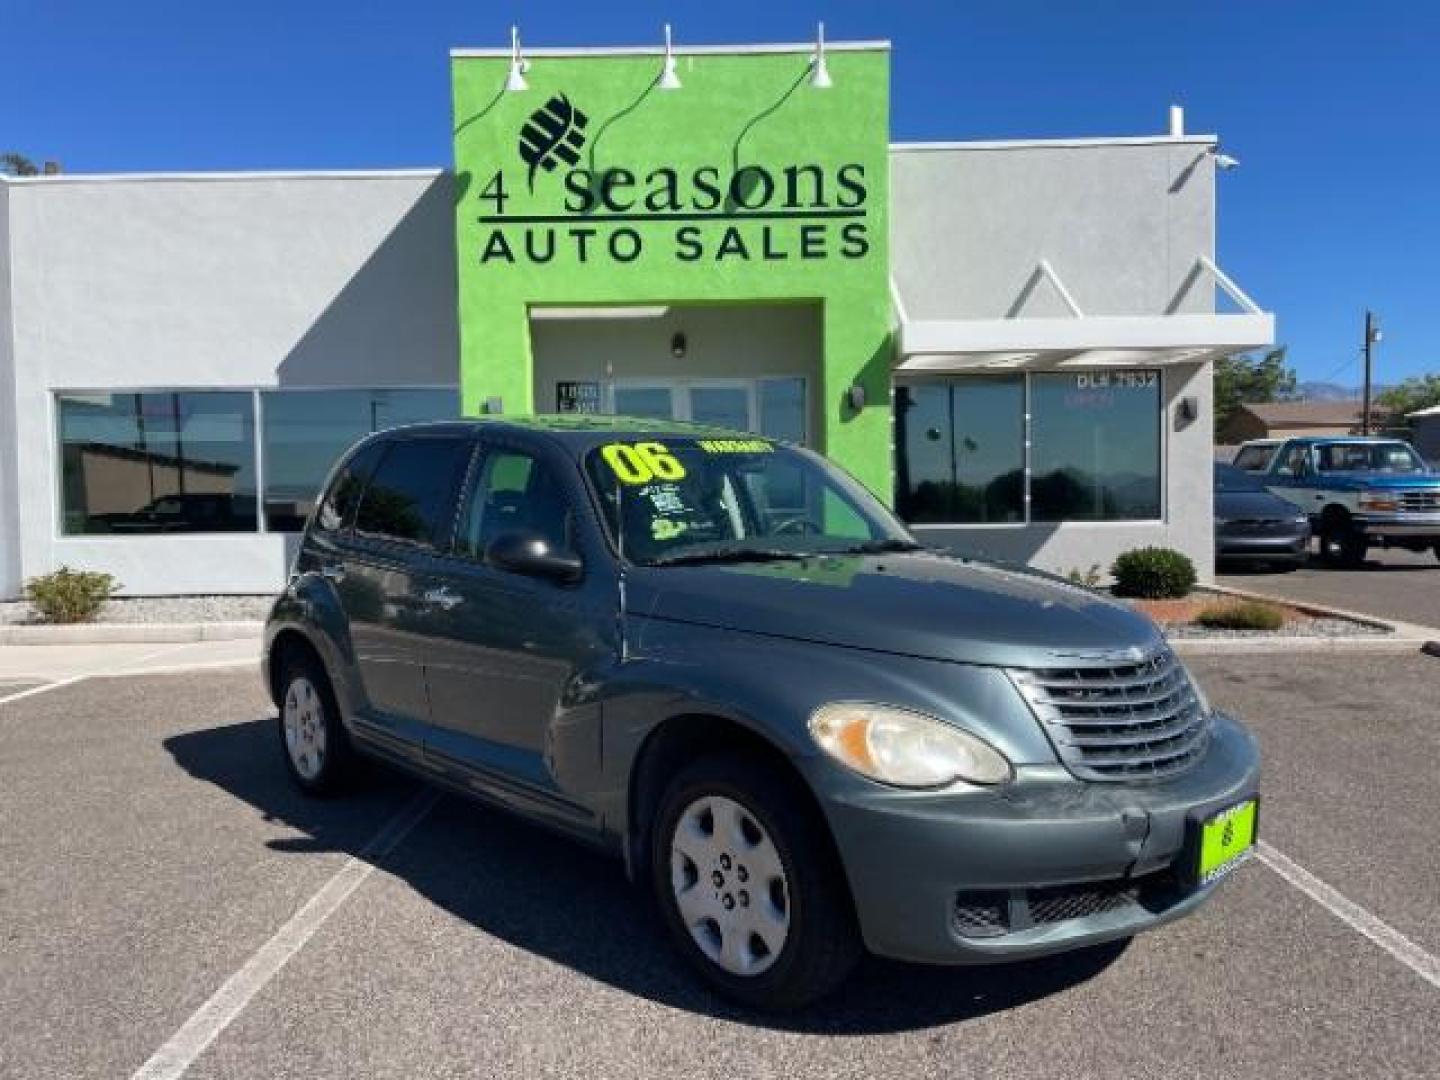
column 640, row 463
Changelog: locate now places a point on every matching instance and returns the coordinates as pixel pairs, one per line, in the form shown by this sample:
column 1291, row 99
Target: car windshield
column 1388, row 457
column 669, row 501
column 1228, row 478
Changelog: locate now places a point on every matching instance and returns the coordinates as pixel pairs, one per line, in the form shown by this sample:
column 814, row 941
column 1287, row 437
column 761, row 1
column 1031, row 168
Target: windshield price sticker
column 640, row 463
column 735, row 446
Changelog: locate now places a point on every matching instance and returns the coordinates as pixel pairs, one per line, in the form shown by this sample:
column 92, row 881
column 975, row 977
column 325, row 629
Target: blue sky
column 1332, row 108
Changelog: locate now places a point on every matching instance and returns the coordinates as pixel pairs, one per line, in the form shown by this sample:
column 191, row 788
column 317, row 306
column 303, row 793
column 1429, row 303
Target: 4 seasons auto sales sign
column 594, row 185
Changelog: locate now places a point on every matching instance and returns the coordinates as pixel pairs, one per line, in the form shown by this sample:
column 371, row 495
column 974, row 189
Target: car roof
column 577, row 433
column 1318, row 440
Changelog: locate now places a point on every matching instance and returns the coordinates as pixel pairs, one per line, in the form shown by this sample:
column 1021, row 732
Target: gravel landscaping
column 1175, row 618
column 160, row 609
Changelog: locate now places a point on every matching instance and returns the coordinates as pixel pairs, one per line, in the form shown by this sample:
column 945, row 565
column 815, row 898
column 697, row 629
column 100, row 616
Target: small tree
column 17, row 164
column 1415, row 393
column 14, row 164
column 1241, row 379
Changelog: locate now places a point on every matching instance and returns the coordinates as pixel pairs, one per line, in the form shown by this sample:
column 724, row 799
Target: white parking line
column 1424, row 964
column 60, row 684
column 179, row 1053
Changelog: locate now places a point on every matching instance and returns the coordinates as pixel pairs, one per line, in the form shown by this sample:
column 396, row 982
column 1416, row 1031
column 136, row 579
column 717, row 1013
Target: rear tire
column 313, row 740
column 749, row 885
column 1437, row 549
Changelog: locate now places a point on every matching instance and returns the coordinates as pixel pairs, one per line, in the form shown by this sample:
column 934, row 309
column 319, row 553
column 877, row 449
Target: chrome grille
column 1139, row 720
column 1420, row 501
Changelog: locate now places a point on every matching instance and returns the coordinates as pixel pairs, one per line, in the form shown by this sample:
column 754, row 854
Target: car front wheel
column 1341, row 545
column 749, row 885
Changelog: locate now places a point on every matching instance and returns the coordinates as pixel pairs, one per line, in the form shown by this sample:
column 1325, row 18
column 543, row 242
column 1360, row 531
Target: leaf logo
column 553, row 134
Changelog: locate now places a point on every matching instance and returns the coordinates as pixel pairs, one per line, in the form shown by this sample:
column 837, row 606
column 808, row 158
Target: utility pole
column 1372, row 335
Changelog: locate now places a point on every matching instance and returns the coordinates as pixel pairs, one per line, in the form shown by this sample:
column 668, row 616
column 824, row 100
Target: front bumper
column 1405, row 525
column 1241, row 546
column 1097, row 861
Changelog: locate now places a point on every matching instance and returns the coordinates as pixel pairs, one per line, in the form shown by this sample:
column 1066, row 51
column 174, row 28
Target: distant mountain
column 1329, row 391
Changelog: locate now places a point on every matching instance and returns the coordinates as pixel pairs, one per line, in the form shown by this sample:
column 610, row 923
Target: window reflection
column 1095, row 446
column 307, row 431
column 157, row 463
column 962, row 450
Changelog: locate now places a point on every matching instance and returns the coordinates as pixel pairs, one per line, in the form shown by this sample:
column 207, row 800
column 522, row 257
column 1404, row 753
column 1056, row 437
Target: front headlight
column 1378, row 500
column 907, row 749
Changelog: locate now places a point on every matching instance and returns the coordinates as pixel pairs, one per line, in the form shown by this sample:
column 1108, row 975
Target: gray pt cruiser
column 721, row 658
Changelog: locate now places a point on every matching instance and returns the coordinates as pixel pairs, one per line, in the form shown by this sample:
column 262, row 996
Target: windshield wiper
column 730, row 555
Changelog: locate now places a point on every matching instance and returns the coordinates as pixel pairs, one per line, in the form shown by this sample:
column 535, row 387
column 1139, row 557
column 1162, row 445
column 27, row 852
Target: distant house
column 1425, row 432
column 1288, row 419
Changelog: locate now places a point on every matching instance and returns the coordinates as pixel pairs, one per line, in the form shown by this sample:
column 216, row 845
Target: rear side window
column 337, row 509
column 412, row 496
column 1254, row 458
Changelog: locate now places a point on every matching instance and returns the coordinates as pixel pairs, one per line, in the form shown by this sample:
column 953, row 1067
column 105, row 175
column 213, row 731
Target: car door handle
column 443, row 598
column 332, row 572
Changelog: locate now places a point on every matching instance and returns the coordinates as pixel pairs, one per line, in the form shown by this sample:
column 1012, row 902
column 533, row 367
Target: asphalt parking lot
column 151, row 848
column 1393, row 584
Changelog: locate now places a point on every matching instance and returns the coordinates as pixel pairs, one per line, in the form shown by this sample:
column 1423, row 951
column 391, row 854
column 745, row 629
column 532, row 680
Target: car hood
column 920, row 604
column 1230, row 505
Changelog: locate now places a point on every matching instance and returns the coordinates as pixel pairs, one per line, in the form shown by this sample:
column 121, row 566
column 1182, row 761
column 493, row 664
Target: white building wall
column 215, row 282
column 1122, row 222
column 9, row 520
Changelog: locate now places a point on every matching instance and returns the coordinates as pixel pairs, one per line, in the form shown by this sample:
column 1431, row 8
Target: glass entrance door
column 774, row 407
column 723, row 406
column 652, row 402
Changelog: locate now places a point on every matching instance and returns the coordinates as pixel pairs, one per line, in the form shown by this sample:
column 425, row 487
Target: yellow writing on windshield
column 639, row 463
column 735, row 446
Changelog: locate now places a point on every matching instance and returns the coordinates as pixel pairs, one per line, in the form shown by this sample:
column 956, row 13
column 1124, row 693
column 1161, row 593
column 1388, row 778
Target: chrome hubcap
column 730, row 886
column 305, row 728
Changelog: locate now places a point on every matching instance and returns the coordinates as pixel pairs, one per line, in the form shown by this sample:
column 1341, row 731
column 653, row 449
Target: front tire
column 1341, row 545
column 313, row 739
column 749, row 885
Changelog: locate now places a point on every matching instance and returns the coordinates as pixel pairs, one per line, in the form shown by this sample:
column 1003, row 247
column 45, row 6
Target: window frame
column 1027, row 429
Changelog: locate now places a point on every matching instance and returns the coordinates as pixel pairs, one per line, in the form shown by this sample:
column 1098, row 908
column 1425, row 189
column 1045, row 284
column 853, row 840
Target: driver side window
column 514, row 492
column 1295, row 462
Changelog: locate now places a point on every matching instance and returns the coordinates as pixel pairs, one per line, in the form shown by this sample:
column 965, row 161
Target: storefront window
column 157, row 463
column 962, row 450
column 1095, row 446
column 305, row 431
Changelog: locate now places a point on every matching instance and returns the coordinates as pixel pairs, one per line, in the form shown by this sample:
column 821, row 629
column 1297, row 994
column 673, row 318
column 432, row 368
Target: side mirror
column 531, row 554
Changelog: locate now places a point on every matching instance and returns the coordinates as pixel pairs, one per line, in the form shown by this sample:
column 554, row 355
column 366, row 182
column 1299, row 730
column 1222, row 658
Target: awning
column 1080, row 340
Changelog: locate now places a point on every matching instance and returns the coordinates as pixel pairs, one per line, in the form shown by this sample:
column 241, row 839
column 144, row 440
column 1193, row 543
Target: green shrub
column 1086, row 579
column 1241, row 615
column 70, row 596
column 1153, row 573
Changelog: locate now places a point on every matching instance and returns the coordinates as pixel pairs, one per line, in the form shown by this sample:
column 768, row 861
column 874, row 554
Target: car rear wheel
column 316, row 747
column 749, row 885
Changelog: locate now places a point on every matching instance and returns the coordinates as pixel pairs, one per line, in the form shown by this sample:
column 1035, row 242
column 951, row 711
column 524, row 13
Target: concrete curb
column 1402, row 637
column 1302, row 645
column 141, row 633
